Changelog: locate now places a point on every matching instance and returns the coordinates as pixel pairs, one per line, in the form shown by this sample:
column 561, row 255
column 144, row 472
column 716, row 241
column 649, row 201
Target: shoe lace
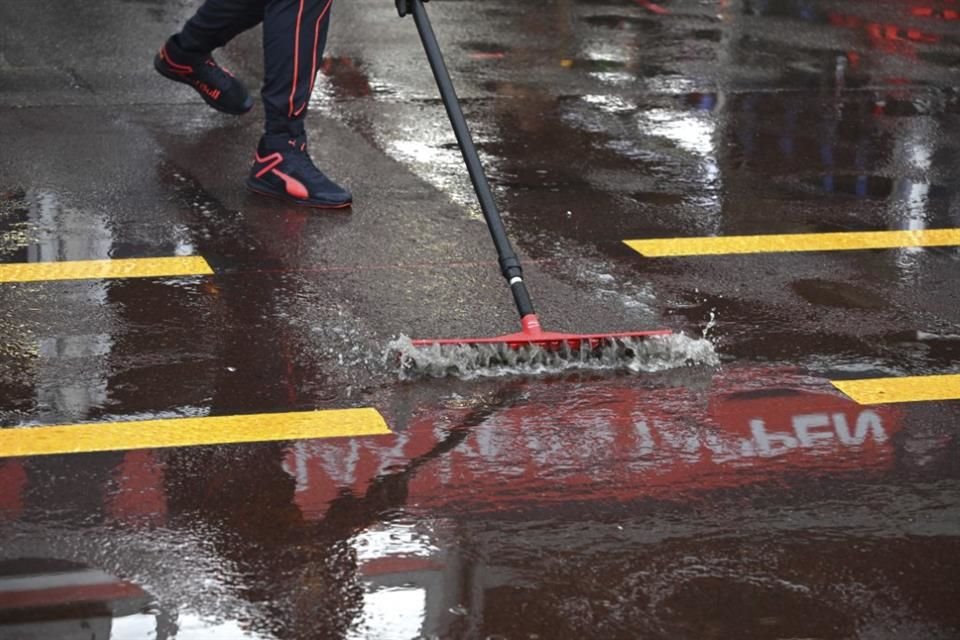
column 220, row 73
column 300, row 159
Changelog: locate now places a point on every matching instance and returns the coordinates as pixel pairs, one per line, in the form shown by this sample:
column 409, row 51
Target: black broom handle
column 509, row 263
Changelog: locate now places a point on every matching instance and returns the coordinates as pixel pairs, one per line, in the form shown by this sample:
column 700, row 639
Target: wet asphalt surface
column 605, row 504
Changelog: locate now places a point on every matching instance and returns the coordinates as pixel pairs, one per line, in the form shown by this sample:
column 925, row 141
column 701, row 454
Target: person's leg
column 217, row 22
column 294, row 36
column 185, row 57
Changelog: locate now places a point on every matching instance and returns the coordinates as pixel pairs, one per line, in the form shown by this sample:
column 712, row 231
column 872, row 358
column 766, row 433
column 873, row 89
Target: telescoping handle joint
column 405, row 6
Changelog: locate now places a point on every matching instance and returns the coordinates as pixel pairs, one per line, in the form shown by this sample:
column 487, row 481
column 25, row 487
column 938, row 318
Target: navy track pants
column 294, row 35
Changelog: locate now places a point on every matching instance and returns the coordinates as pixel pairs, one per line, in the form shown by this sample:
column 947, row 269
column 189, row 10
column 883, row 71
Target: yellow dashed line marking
column 189, row 432
column 889, row 390
column 100, row 269
column 845, row 241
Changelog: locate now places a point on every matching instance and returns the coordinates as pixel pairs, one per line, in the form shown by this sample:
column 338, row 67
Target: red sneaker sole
column 301, row 203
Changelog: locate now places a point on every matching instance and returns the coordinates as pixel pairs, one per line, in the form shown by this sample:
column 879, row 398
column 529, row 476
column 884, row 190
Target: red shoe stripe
column 295, row 188
column 273, row 160
column 178, row 68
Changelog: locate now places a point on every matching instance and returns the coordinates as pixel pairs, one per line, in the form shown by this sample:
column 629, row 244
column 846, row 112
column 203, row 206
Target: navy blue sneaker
column 216, row 85
column 282, row 169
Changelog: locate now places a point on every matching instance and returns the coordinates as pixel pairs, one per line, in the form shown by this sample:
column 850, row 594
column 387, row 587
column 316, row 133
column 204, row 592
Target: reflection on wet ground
column 746, row 500
column 594, row 505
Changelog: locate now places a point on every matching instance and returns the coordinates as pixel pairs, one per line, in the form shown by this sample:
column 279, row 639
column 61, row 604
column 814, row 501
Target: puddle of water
column 54, row 598
column 838, row 294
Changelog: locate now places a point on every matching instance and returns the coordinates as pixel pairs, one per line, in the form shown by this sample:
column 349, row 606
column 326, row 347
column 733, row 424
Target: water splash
column 649, row 355
column 711, row 323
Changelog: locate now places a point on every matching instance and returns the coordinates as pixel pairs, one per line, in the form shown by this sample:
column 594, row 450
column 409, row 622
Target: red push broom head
column 533, row 334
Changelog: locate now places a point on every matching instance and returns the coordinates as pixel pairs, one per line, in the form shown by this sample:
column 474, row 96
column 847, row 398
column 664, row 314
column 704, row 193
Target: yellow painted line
column 189, row 432
column 100, row 269
column 845, row 241
column 913, row 389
